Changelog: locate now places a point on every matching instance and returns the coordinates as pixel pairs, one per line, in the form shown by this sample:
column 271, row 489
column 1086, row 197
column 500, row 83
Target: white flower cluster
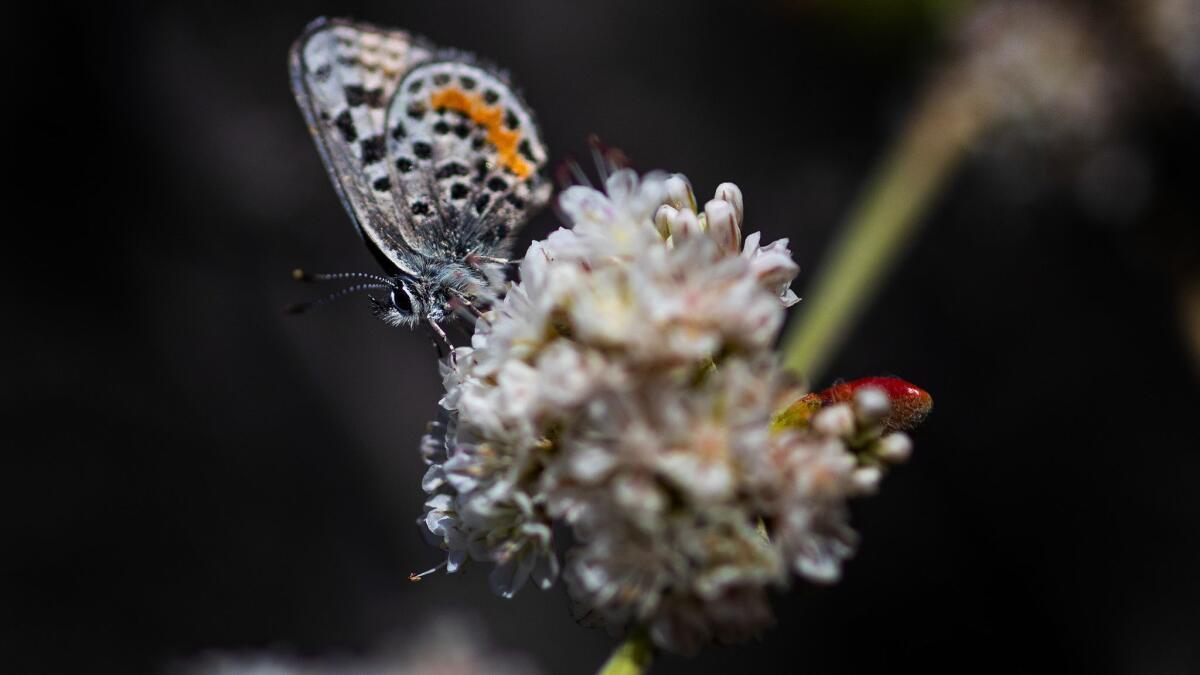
column 625, row 388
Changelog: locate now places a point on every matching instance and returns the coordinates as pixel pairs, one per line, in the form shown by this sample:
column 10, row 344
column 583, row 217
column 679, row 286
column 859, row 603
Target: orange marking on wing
column 491, row 118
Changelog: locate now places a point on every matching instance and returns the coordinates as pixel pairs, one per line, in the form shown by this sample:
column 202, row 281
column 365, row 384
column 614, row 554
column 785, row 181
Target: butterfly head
column 411, row 301
column 429, row 296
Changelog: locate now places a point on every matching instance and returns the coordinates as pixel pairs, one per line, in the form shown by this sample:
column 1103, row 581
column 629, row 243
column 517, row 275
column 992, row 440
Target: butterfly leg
column 465, row 308
column 444, row 341
column 490, row 259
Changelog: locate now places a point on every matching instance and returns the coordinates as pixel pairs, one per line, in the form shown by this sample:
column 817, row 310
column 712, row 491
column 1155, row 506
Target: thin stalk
column 903, row 187
column 631, row 657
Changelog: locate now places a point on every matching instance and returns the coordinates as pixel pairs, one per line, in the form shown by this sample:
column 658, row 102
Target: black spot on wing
column 497, row 184
column 404, row 164
column 459, row 191
column 422, row 149
column 373, row 149
column 398, row 131
column 467, row 83
column 420, row 208
column 345, row 124
column 481, row 203
column 356, row 95
column 490, row 96
column 510, row 119
column 495, row 234
column 526, row 150
column 382, row 184
column 441, row 79
column 451, row 169
column 516, row 201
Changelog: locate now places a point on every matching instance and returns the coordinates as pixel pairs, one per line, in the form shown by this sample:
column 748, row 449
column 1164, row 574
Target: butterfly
column 434, row 155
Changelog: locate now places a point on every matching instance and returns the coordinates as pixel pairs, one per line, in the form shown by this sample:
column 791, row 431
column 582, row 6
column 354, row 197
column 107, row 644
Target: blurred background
column 189, row 469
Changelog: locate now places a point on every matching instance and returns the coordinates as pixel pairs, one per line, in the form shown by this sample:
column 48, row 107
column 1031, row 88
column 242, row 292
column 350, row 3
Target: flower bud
column 684, row 224
column 837, row 420
column 894, row 447
column 871, row 405
column 728, row 192
column 662, row 219
column 679, row 192
column 723, row 225
column 867, row 478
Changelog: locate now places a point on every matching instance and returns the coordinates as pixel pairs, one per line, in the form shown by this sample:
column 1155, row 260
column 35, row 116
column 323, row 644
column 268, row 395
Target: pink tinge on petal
column 684, row 224
column 621, row 186
column 731, row 194
column 774, row 270
column 722, row 225
column 581, row 203
column 750, row 248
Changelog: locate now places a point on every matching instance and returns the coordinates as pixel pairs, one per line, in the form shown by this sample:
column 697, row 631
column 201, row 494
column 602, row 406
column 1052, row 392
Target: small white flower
column 835, row 420
column 441, row 521
column 871, row 405
column 773, row 266
column 895, row 447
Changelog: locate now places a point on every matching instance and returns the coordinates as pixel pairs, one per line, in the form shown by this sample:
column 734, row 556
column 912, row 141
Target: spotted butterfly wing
column 433, row 154
column 343, row 75
column 466, row 158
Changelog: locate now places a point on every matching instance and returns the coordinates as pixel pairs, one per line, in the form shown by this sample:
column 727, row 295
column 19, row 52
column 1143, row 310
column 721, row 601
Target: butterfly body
column 435, row 157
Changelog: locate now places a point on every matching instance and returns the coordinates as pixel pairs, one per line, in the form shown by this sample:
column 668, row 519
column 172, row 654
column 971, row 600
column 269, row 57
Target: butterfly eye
column 401, row 301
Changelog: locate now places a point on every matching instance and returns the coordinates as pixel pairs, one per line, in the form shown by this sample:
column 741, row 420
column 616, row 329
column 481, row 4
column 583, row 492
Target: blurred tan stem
column 903, row 187
column 632, row 657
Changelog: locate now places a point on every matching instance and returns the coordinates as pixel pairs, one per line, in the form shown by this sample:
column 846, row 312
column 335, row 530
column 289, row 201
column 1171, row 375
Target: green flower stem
column 903, row 187
column 631, row 657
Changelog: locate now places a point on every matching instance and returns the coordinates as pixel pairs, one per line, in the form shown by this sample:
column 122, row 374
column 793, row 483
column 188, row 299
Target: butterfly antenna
column 301, row 308
column 309, row 277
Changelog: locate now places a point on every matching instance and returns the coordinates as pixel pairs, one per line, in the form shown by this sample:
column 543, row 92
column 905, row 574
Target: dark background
column 189, row 469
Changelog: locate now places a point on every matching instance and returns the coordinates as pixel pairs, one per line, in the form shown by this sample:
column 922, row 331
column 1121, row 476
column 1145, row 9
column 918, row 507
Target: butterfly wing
column 343, row 75
column 466, row 158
